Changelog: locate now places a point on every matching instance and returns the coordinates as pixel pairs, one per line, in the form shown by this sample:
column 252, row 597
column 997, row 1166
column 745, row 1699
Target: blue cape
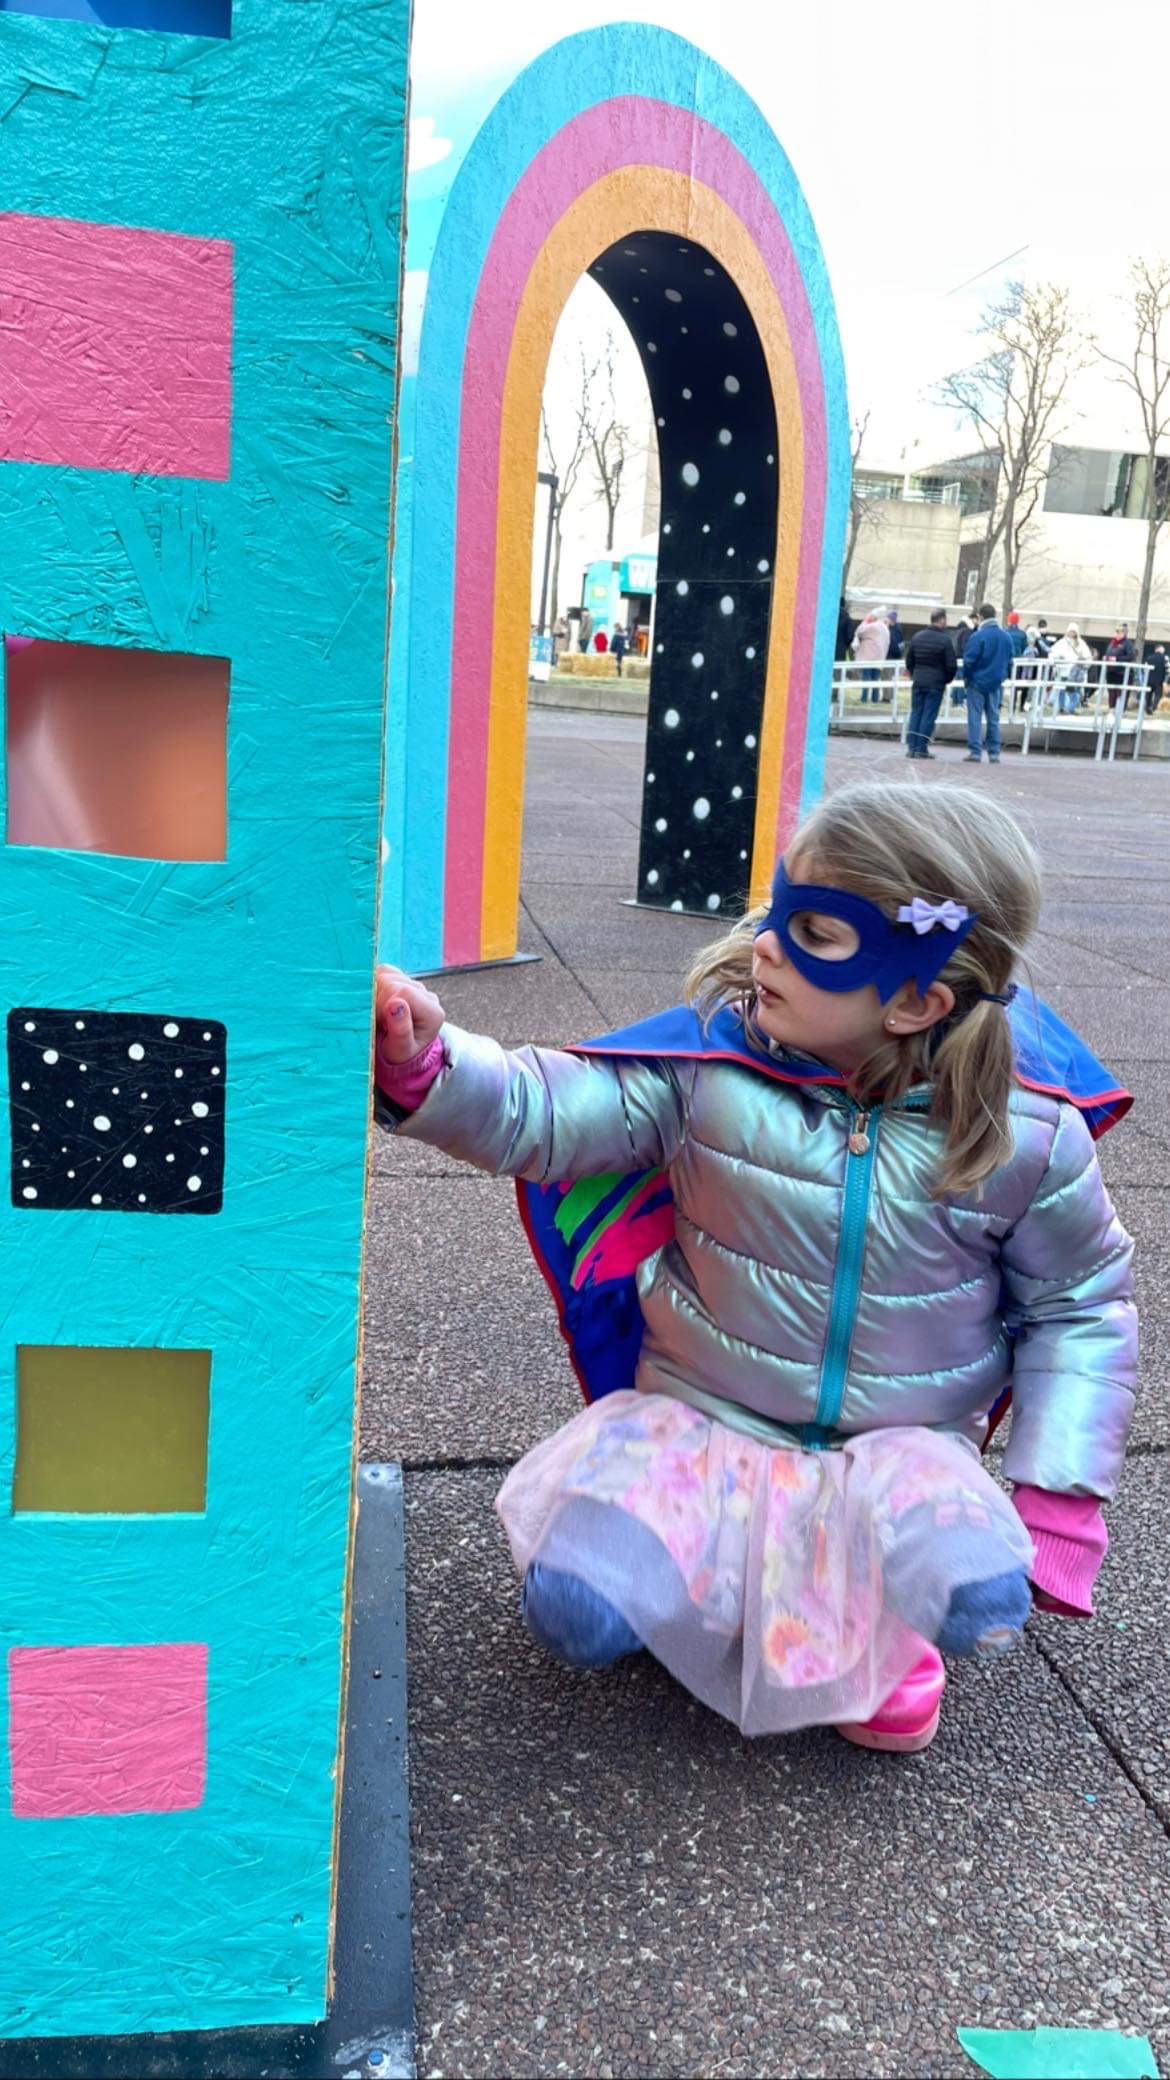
column 588, row 1237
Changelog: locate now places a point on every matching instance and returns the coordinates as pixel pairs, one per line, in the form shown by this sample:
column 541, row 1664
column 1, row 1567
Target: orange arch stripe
column 633, row 199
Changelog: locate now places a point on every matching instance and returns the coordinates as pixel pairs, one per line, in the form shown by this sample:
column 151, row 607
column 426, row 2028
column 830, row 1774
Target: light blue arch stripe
column 545, row 97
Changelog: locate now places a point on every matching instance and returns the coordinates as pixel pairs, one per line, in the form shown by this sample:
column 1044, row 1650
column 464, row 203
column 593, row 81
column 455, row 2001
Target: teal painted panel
column 286, row 142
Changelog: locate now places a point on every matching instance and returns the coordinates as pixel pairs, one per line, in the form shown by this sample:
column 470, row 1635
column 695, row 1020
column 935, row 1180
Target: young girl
column 878, row 1225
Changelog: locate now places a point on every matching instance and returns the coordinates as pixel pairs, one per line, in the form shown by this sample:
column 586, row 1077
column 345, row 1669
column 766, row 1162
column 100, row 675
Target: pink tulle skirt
column 763, row 1577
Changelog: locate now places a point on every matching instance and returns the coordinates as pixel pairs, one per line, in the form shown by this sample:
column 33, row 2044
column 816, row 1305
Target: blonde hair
column 891, row 841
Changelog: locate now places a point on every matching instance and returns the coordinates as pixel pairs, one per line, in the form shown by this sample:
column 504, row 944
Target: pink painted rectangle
column 115, row 347
column 107, row 1729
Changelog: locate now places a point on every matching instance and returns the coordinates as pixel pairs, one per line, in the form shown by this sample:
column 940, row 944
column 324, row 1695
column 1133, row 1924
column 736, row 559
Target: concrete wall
column 905, row 546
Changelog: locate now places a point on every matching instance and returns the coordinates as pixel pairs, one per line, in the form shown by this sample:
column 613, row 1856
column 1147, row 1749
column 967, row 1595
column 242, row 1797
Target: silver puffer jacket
column 825, row 1290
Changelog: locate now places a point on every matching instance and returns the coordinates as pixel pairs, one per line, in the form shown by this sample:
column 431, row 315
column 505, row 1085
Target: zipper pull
column 859, row 1137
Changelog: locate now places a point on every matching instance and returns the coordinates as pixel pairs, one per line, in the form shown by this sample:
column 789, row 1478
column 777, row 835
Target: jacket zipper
column 863, row 1141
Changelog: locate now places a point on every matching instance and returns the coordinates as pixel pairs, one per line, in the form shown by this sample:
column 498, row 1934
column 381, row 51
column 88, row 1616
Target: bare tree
column 1146, row 373
column 1014, row 398
column 572, row 447
column 609, row 436
column 856, row 501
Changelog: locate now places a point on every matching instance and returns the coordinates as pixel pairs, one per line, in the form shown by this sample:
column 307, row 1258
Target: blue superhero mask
column 917, row 947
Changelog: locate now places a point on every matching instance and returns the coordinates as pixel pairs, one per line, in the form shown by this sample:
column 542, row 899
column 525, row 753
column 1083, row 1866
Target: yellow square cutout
column 111, row 1432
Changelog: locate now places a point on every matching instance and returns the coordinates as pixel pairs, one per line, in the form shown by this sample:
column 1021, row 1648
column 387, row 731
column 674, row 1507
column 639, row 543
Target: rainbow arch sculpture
column 675, row 179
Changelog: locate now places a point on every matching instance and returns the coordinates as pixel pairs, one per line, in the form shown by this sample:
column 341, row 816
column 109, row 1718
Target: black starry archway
column 712, row 400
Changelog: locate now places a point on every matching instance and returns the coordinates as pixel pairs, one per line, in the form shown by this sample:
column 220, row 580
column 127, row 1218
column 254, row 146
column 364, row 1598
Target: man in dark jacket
column 1016, row 636
column 1156, row 683
column 987, row 661
column 931, row 662
column 1122, row 651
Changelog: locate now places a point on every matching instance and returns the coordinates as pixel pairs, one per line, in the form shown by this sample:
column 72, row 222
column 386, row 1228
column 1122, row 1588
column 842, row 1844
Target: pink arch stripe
column 627, row 131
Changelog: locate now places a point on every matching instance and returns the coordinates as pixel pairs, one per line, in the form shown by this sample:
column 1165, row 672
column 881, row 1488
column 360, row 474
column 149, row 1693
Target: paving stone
column 607, row 1878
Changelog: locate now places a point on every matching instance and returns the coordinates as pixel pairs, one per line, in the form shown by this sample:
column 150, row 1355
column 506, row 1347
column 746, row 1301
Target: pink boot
column 908, row 1720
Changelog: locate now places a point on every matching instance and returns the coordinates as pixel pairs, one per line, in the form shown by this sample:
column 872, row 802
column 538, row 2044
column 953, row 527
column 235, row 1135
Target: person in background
column 619, row 646
column 1029, row 668
column 1070, row 660
column 584, row 630
column 897, row 643
column 846, row 626
column 1156, row 683
column 931, row 662
column 601, row 642
column 1043, row 639
column 1121, row 652
column 986, row 664
column 1016, row 636
column 871, row 647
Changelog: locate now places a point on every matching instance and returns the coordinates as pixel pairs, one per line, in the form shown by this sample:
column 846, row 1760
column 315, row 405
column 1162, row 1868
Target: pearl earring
column 892, row 1024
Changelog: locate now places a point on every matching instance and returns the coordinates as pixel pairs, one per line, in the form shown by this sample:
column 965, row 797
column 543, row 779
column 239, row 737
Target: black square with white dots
column 118, row 1111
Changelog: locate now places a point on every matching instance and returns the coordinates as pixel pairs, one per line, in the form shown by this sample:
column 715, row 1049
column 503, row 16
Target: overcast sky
column 932, row 140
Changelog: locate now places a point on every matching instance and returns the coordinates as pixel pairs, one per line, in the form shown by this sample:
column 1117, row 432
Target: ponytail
column 974, row 1073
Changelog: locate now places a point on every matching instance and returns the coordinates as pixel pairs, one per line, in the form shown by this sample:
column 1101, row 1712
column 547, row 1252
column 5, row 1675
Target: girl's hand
column 407, row 1016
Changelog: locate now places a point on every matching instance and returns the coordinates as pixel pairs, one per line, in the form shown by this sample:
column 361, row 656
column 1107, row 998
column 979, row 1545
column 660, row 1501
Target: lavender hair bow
column 924, row 916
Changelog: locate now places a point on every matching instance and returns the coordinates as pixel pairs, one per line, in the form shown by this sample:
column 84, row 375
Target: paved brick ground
column 607, row 1879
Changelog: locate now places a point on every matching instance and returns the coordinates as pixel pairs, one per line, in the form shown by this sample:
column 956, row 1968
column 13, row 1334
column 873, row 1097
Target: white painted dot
column 631, row 252
column 750, row 651
column 743, row 855
column 50, row 1055
column 706, row 527
column 676, row 905
column 763, row 564
column 129, row 1162
column 148, row 1130
column 36, row 1126
column 662, row 422
column 714, row 693
column 71, row 1173
column 142, row 1198
column 30, row 1025
column 690, row 474
column 697, row 660
column 207, row 1036
column 79, row 1025
column 718, row 743
column 731, row 330
column 741, row 498
column 652, row 878
column 26, row 1086
column 660, row 647
column 178, row 1072
column 194, row 1184
column 178, row 1122
column 671, row 718
column 144, row 1094
column 701, row 809
column 686, row 851
column 651, row 348
column 30, row 1191
column 660, row 823
column 649, row 783
column 215, row 1071
column 171, row 1030
column 709, row 271
column 25, row 1164
column 771, row 458
column 725, row 436
column 750, row 742
column 688, row 394
column 666, row 527
column 69, row 1104
column 205, row 1151
column 115, row 1092
column 713, row 902
column 83, row 1068
column 737, row 794
column 731, row 385
column 102, row 1123
column 727, row 604
column 96, row 1199
column 136, row 1050
column 170, row 1159
column 682, row 588
column 690, row 758
column 672, row 295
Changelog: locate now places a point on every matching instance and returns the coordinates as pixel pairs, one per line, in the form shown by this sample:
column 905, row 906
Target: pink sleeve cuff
column 1070, row 1538
column 407, row 1083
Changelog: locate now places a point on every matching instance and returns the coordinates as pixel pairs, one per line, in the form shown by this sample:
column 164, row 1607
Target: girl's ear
column 911, row 1013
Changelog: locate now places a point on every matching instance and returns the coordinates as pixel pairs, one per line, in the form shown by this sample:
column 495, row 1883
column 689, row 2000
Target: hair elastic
column 1006, row 996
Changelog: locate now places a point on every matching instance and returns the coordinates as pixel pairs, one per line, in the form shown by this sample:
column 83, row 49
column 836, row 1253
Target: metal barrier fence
column 1039, row 696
